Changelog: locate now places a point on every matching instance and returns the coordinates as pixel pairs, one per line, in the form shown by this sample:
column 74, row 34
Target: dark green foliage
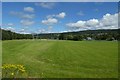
column 70, row 37
column 76, row 36
column 62, row 36
column 83, row 35
column 8, row 35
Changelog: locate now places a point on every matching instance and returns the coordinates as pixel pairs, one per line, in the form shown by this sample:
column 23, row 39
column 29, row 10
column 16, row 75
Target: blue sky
column 32, row 17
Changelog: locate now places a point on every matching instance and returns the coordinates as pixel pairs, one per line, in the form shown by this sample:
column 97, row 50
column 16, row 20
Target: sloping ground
column 64, row 59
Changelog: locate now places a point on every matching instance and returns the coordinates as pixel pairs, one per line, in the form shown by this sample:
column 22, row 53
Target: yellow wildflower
column 12, row 74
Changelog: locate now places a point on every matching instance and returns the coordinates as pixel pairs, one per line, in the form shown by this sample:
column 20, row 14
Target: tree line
column 76, row 36
column 9, row 35
column 110, row 34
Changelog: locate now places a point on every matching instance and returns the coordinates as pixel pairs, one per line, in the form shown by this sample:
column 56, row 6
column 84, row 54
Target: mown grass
column 0, row 59
column 64, row 59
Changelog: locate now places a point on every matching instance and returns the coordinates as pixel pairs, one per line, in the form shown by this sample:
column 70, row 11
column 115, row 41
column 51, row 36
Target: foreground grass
column 64, row 59
column 0, row 58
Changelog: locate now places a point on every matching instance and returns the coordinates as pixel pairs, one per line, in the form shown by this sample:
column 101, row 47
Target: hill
column 109, row 34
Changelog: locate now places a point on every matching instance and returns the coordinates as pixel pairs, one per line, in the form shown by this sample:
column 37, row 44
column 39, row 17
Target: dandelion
column 11, row 69
column 12, row 74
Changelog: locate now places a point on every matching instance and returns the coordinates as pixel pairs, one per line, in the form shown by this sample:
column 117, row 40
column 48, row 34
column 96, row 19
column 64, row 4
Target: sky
column 47, row 17
column 60, row 1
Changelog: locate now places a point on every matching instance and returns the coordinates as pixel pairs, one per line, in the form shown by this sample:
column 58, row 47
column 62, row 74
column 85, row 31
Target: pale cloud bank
column 108, row 21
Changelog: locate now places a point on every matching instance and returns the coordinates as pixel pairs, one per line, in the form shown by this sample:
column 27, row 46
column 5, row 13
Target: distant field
column 64, row 59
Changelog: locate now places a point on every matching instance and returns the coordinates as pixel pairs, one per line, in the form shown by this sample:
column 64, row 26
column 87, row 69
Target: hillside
column 79, row 35
column 109, row 33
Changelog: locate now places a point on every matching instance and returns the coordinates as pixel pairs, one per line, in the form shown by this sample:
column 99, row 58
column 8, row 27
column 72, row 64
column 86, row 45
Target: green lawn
column 64, row 59
column 0, row 58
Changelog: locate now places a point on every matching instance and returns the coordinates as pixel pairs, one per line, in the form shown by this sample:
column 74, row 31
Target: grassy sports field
column 63, row 59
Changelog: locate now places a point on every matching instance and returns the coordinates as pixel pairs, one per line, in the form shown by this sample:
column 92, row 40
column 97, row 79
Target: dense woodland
column 8, row 35
column 111, row 34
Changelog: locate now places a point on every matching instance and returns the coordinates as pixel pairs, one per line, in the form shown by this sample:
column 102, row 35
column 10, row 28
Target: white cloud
column 22, row 15
column 28, row 16
column 9, row 28
column 64, row 31
column 50, row 27
column 28, row 9
column 22, row 30
column 27, row 22
column 50, row 21
column 108, row 21
column 51, row 16
column 78, row 24
column 47, row 30
column 80, row 13
column 10, row 24
column 92, row 22
column 16, row 13
column 48, row 5
column 61, row 15
column 41, row 31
